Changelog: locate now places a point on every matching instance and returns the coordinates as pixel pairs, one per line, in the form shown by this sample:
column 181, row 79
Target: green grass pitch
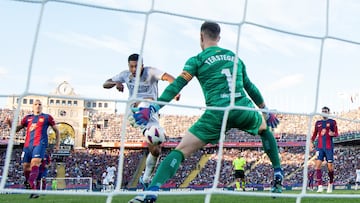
column 216, row 198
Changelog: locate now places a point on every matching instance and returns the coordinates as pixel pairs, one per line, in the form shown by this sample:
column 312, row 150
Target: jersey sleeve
column 251, row 89
column 156, row 73
column 24, row 121
column 313, row 137
column 191, row 66
column 51, row 120
column 119, row 77
column 334, row 128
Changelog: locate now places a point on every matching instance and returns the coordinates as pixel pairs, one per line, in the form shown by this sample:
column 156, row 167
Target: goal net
column 302, row 55
column 77, row 184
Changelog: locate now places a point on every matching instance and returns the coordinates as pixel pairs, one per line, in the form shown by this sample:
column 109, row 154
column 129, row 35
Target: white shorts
column 357, row 179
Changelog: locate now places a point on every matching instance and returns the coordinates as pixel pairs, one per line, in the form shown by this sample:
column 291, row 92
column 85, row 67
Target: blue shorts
column 43, row 174
column 33, row 152
column 328, row 154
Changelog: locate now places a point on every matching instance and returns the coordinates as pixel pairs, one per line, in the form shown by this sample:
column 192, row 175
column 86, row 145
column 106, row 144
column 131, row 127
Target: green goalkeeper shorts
column 208, row 127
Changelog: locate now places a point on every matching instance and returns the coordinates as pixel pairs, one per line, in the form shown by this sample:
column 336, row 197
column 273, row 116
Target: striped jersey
column 322, row 133
column 36, row 128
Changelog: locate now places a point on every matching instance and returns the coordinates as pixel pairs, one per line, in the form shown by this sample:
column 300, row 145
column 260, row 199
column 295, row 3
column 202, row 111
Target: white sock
column 150, row 165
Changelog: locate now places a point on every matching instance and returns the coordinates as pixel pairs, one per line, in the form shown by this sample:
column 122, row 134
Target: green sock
column 237, row 185
column 270, row 147
column 167, row 168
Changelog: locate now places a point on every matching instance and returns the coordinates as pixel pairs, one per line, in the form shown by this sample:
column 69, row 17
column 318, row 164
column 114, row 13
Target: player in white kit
column 357, row 180
column 148, row 89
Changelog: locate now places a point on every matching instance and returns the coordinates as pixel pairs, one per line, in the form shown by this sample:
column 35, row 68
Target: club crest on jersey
column 32, row 127
column 41, row 120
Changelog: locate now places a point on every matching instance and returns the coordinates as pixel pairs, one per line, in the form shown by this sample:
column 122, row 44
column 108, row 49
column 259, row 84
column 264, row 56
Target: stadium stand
column 91, row 162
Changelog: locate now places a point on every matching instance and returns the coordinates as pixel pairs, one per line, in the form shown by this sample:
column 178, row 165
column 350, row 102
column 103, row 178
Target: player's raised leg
column 151, row 161
column 271, row 149
column 154, row 136
column 170, row 165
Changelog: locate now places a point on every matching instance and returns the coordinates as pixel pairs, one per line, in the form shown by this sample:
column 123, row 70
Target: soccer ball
column 154, row 135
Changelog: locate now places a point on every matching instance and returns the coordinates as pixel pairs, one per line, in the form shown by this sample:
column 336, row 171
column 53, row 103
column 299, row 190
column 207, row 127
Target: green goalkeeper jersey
column 214, row 68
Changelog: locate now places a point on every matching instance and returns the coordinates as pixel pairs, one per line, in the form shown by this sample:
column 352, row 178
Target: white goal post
column 313, row 50
column 69, row 184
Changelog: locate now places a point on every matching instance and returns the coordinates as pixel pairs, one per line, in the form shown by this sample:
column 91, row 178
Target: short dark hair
column 133, row 57
column 210, row 29
column 325, row 108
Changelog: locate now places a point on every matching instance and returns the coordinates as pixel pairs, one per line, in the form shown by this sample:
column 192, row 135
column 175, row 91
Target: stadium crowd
column 94, row 162
column 291, row 127
column 106, row 128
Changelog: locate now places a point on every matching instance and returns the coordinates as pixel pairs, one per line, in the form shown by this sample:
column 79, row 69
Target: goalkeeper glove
column 143, row 115
column 271, row 119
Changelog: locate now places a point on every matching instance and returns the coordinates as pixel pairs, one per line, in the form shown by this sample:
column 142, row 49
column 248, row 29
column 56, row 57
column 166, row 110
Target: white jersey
column 148, row 87
column 358, row 175
column 111, row 171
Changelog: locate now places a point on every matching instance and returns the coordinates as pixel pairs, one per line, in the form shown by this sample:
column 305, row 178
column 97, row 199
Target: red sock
column 331, row 176
column 38, row 184
column 43, row 184
column 33, row 175
column 27, row 174
column 319, row 176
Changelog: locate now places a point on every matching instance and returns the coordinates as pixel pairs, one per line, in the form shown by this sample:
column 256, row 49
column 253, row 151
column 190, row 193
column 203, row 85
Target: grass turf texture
column 216, row 198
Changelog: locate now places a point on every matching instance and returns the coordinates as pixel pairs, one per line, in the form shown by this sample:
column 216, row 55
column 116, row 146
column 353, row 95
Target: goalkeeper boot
column 150, row 198
column 143, row 199
column 143, row 183
column 278, row 179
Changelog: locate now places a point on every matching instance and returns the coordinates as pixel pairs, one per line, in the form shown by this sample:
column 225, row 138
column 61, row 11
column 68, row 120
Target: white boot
column 330, row 188
column 320, row 188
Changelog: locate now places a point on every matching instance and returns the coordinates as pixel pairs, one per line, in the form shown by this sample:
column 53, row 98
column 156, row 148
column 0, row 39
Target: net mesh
column 247, row 26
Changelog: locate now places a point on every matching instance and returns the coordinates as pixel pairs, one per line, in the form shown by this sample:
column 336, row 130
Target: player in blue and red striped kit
column 311, row 179
column 36, row 142
column 324, row 131
column 43, row 171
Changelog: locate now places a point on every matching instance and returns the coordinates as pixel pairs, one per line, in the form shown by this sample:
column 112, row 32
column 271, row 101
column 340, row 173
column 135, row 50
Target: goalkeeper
column 214, row 69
